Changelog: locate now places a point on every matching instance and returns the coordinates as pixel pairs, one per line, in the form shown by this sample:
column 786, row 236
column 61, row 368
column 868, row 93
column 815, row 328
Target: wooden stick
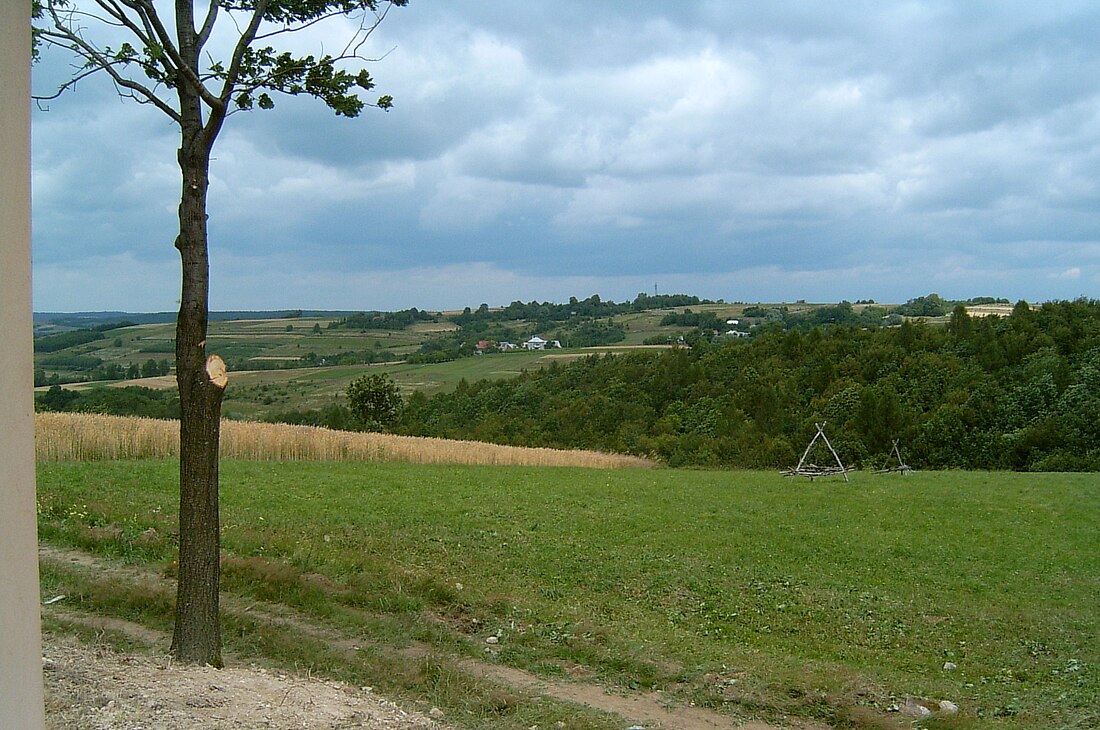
column 807, row 451
column 843, row 470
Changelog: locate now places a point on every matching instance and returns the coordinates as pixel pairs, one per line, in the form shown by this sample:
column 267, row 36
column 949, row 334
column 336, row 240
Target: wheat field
column 90, row 437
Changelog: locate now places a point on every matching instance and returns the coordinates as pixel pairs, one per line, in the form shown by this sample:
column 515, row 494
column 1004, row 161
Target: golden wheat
column 88, row 436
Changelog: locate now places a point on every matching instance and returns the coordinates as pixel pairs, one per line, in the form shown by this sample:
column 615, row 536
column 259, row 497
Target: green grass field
column 254, row 394
column 744, row 592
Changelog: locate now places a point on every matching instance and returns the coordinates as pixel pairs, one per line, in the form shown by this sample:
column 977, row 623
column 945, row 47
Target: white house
column 535, row 343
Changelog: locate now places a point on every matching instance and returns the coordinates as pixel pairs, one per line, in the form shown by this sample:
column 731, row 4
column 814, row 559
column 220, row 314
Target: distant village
column 535, row 343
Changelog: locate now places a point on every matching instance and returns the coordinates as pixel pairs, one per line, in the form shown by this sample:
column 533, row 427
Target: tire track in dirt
column 648, row 709
column 652, row 710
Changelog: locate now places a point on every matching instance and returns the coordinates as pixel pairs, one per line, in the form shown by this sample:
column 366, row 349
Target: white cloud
column 642, row 143
column 463, row 203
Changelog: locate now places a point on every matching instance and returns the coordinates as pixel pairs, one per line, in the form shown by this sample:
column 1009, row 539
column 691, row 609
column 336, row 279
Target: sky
column 745, row 151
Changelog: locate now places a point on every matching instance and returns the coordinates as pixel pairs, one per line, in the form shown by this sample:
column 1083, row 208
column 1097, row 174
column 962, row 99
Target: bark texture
column 197, row 634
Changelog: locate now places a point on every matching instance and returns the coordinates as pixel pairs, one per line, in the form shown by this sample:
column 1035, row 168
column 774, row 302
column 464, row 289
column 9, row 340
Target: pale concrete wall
column 20, row 633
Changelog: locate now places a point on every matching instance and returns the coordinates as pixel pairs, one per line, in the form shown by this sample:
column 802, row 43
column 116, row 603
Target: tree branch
column 168, row 44
column 248, row 35
column 145, row 34
column 208, row 24
column 364, row 33
column 162, row 60
column 288, row 28
column 64, row 35
column 272, row 79
column 146, row 23
column 66, row 86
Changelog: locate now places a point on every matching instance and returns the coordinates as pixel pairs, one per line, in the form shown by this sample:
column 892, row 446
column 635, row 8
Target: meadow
column 744, row 592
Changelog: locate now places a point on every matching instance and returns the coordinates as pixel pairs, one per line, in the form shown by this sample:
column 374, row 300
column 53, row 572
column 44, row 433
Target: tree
column 960, row 325
column 374, row 400
column 183, row 70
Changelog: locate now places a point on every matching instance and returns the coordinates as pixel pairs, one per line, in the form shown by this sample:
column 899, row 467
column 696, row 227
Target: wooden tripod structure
column 813, row 470
column 902, row 466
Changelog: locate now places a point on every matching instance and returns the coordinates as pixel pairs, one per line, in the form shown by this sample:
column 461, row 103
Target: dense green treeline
column 88, row 368
column 688, row 318
column 132, row 400
column 591, row 333
column 546, row 314
column 383, row 320
column 842, row 314
column 62, row 340
column 1017, row 392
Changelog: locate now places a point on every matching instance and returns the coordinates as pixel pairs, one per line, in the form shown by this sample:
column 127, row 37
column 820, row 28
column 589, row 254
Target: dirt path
column 92, row 688
column 649, row 710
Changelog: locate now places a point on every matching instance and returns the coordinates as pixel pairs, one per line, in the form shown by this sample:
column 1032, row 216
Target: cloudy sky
column 539, row 149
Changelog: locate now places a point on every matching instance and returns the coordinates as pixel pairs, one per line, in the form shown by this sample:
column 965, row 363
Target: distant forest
column 1017, row 392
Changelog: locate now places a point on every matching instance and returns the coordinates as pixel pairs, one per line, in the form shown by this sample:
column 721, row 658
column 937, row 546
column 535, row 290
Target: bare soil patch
column 93, row 688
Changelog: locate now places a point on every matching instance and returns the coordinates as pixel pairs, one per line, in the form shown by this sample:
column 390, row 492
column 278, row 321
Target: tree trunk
column 197, row 634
